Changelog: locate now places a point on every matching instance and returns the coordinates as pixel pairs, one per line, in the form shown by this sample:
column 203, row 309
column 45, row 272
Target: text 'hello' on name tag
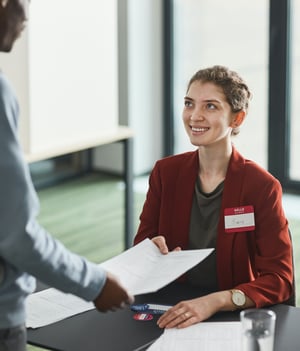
column 239, row 219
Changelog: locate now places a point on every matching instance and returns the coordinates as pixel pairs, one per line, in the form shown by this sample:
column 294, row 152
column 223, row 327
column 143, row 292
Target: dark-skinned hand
column 113, row 296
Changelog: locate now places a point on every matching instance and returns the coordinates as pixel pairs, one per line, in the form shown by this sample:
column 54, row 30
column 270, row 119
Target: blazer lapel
column 231, row 198
column 185, row 185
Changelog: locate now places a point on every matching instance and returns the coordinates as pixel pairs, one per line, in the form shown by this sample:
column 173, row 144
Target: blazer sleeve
column 258, row 262
column 269, row 246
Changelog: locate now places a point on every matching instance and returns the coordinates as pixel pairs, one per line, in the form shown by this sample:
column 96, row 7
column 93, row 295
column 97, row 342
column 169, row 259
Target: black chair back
column 292, row 299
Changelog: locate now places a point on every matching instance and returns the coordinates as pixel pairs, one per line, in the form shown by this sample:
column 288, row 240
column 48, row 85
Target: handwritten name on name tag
column 239, row 219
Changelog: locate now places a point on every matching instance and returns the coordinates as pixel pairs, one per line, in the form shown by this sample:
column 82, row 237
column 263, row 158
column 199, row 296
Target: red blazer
column 258, row 262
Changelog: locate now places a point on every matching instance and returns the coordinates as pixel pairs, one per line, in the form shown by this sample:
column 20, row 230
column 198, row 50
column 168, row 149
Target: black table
column 118, row 331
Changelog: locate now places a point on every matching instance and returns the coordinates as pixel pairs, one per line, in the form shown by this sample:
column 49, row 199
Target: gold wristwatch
column 238, row 298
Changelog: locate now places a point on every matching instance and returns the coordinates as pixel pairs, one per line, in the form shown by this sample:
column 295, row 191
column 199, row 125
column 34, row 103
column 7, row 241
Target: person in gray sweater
column 27, row 250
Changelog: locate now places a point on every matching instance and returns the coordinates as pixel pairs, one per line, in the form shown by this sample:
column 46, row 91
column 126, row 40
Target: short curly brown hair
column 234, row 87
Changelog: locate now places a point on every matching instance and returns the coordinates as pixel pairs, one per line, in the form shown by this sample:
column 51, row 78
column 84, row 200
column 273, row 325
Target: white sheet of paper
column 141, row 269
column 216, row 336
column 51, row 305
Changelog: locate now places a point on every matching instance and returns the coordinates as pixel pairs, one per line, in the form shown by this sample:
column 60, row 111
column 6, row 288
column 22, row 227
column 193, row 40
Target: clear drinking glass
column 258, row 329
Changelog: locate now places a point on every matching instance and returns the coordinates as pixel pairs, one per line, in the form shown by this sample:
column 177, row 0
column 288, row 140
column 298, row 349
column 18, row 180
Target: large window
column 284, row 90
column 294, row 169
column 233, row 33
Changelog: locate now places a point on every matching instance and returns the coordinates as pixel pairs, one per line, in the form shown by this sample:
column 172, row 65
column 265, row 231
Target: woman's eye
column 211, row 106
column 187, row 103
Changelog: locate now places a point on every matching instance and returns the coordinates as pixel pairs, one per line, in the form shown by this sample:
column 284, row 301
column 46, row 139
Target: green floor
column 87, row 215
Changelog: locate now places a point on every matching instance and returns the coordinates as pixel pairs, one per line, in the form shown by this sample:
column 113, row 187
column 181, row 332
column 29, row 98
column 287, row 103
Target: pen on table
column 150, row 308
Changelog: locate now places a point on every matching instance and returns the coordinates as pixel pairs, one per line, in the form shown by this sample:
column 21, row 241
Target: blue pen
column 150, row 308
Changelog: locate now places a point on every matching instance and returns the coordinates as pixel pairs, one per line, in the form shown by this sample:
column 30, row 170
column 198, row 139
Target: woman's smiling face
column 207, row 116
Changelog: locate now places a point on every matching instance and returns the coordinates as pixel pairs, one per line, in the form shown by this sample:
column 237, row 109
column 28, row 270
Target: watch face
column 238, row 298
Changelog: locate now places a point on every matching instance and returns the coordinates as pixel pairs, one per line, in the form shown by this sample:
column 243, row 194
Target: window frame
column 279, row 114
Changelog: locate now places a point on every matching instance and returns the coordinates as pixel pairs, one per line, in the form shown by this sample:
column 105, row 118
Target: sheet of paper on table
column 51, row 305
column 141, row 269
column 216, row 336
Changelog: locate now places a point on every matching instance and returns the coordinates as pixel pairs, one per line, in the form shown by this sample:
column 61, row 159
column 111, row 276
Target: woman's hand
column 189, row 312
column 160, row 242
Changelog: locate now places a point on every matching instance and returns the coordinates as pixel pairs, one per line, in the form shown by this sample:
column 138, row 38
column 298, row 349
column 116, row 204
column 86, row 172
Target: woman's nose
column 196, row 116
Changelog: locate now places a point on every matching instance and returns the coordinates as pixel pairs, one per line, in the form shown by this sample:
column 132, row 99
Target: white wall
column 64, row 69
column 143, row 86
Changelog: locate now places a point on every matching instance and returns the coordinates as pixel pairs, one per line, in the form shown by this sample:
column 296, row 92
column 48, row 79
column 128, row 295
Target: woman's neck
column 213, row 166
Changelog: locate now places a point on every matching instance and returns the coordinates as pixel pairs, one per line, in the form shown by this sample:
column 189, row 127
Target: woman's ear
column 238, row 119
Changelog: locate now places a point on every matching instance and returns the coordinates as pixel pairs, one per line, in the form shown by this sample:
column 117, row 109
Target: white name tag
column 239, row 219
